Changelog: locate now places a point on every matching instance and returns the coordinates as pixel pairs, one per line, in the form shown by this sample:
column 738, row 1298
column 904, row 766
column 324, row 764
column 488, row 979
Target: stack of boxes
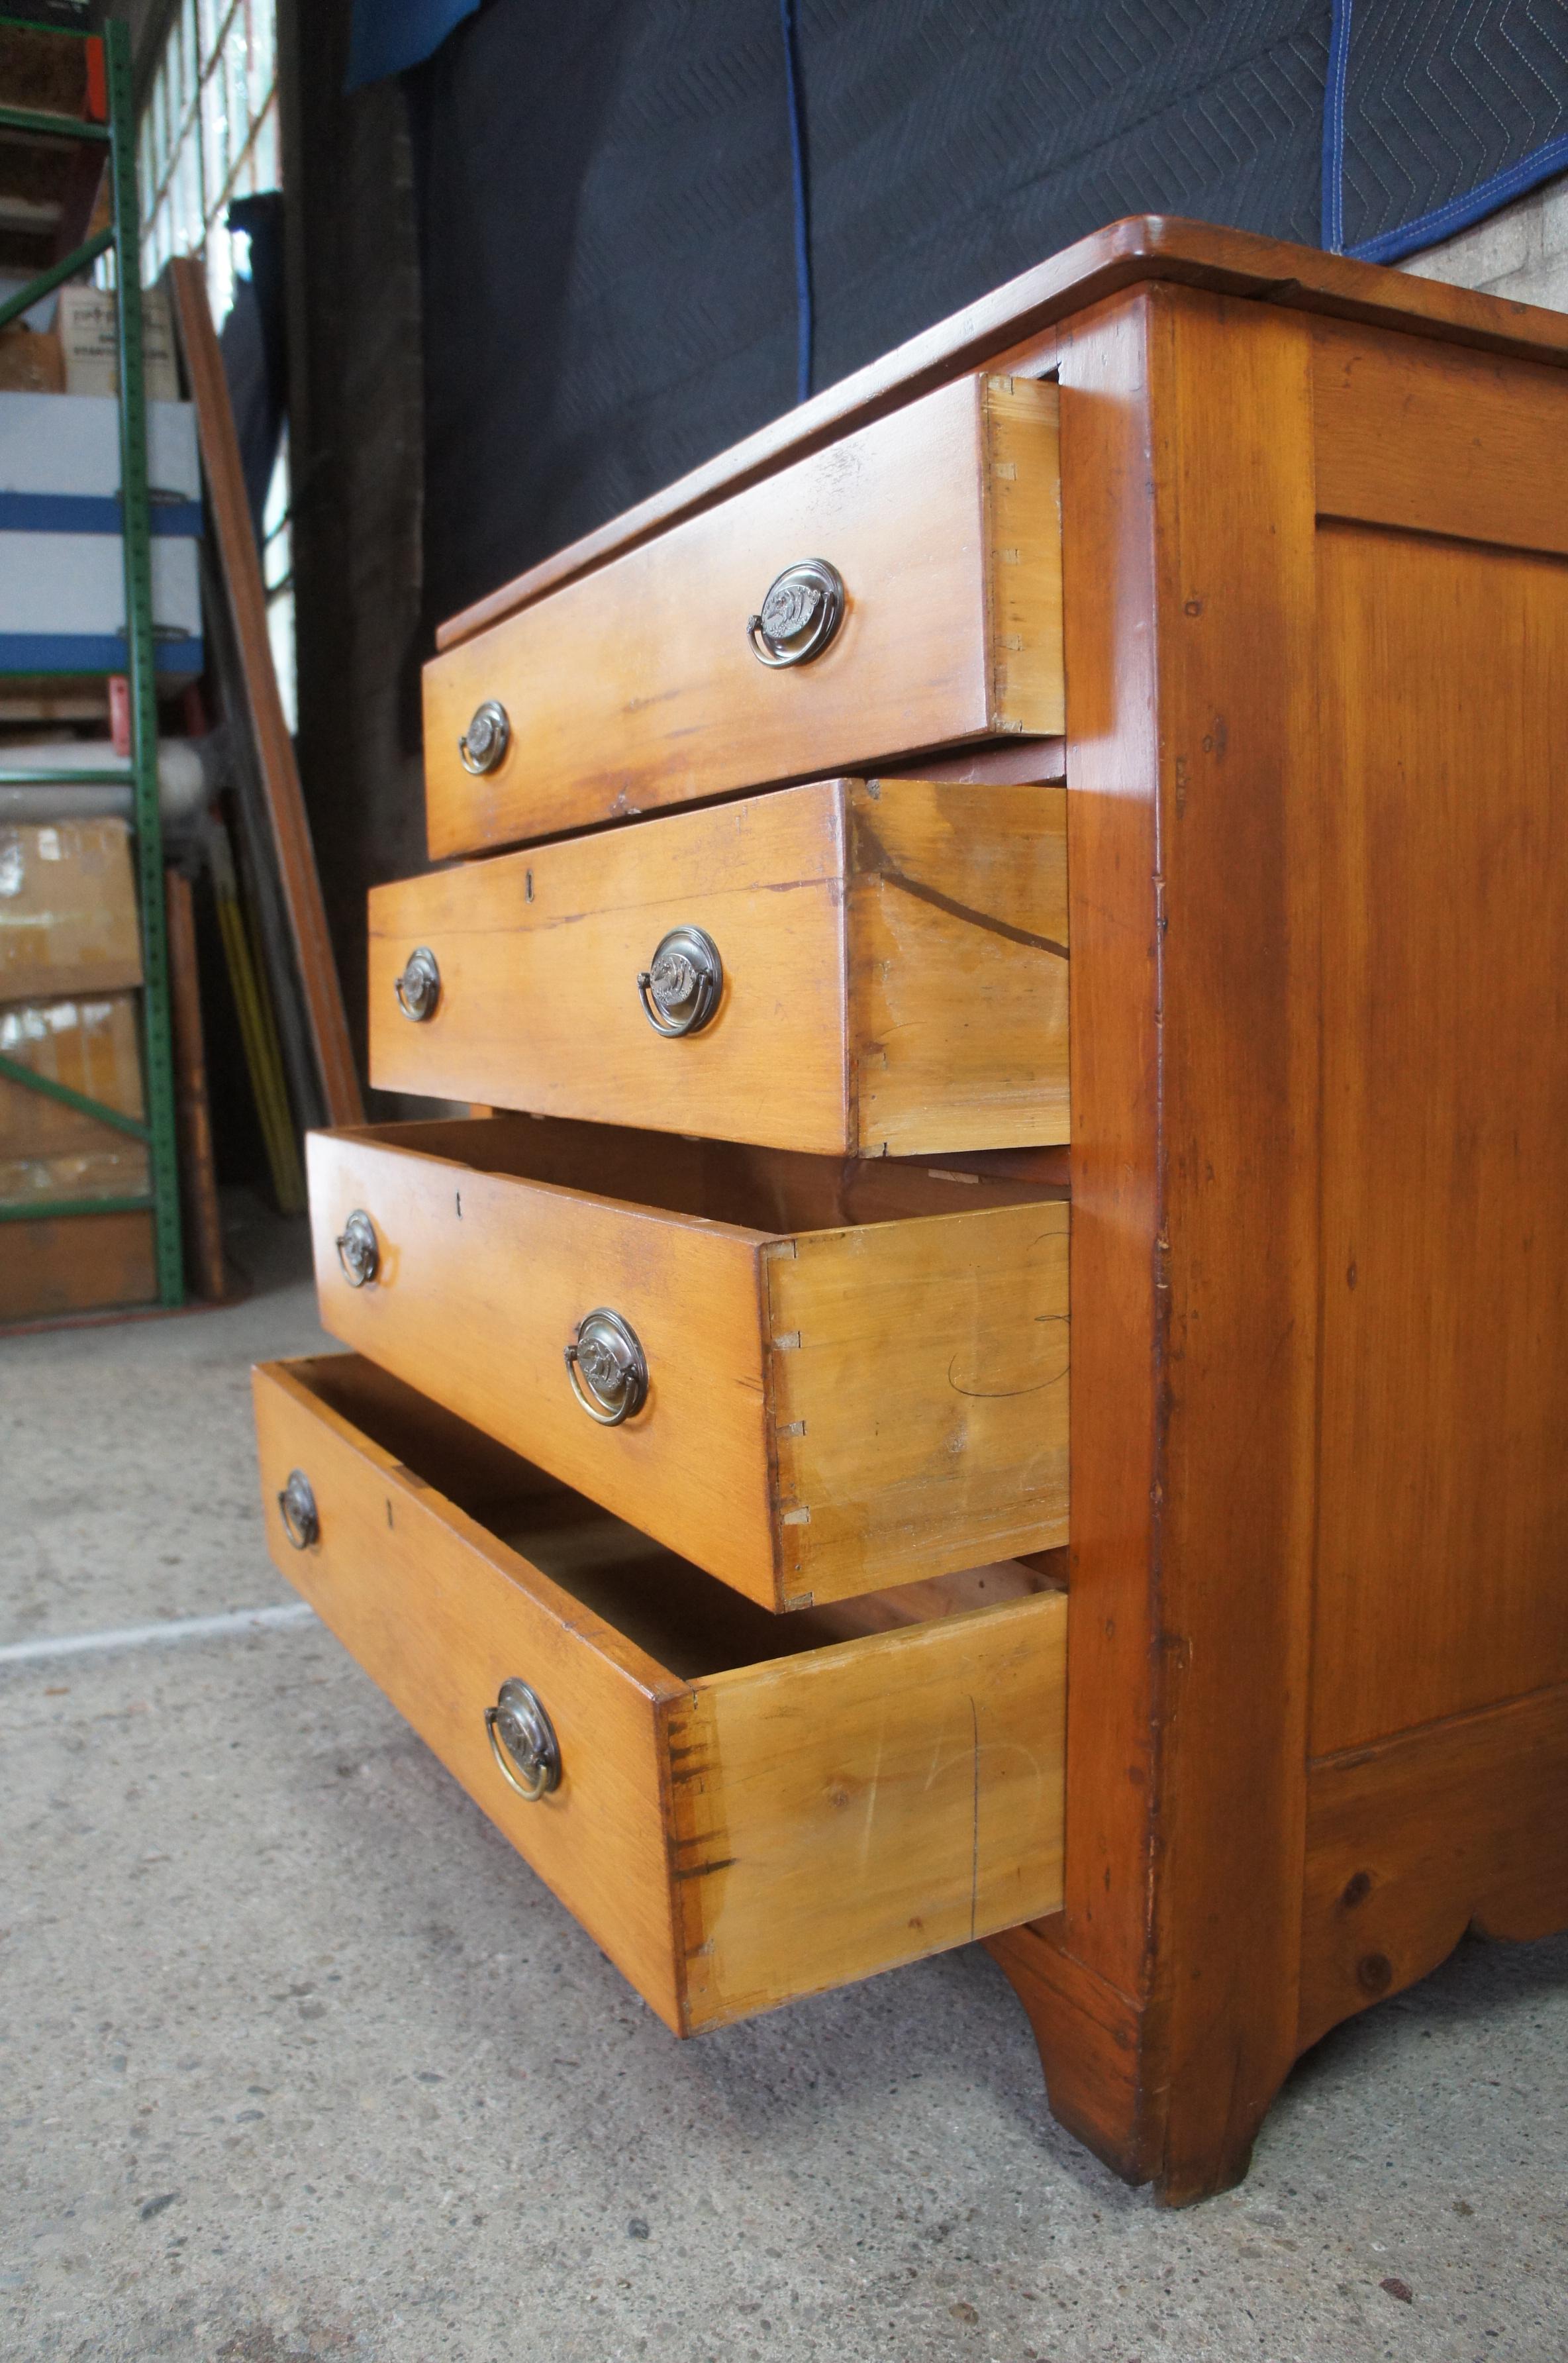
column 63, row 599
column 70, row 966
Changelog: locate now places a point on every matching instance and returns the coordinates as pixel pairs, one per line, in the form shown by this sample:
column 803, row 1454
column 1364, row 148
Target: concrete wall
column 1521, row 252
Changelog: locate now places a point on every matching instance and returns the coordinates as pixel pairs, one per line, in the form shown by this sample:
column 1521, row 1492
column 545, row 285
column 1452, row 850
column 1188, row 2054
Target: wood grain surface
column 918, row 1378
column 1443, row 1477
column 867, row 1805
column 1439, row 441
column 1456, row 1827
column 241, row 572
column 807, row 1812
column 954, row 1321
column 957, row 953
column 894, row 957
column 639, row 688
column 1188, row 524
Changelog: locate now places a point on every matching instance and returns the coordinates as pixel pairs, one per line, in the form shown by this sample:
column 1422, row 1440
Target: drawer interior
column 768, row 1192
column 689, row 1624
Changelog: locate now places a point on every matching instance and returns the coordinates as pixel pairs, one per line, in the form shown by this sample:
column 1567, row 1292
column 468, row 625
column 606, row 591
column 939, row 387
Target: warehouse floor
column 303, row 2063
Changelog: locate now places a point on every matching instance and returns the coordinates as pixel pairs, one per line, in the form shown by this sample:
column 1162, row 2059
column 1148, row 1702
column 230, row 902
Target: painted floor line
column 177, row 1628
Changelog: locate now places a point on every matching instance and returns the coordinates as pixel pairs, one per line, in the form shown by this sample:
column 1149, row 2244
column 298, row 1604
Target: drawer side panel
column 838, row 1813
column 1023, row 540
column 919, row 1372
column 958, row 966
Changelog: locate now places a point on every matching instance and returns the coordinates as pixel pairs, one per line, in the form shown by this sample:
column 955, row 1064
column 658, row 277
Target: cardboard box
column 31, row 363
column 87, row 324
column 68, row 916
column 83, row 1263
column 49, row 1150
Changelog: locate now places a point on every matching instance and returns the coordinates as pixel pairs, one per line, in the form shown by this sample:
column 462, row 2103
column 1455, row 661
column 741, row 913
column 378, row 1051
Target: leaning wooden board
column 241, row 569
column 640, row 686
column 803, row 1812
column 891, row 957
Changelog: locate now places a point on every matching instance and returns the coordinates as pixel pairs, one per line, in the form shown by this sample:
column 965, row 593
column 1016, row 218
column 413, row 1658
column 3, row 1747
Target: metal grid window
column 209, row 133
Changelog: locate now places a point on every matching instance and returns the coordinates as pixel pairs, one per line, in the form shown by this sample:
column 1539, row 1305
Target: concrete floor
column 301, row 2061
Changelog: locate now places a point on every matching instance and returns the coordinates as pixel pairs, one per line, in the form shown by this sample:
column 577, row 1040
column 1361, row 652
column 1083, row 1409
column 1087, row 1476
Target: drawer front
column 890, row 958
column 825, row 1413
column 641, row 685
column 785, row 1824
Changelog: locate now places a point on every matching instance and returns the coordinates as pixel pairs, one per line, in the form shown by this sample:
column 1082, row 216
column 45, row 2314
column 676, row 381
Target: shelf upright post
column 136, row 531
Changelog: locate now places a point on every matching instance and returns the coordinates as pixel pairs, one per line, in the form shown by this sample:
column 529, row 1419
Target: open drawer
column 900, row 590
column 868, row 968
column 739, row 1808
column 812, row 1376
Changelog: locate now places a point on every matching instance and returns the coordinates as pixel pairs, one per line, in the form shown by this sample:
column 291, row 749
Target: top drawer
column 671, row 674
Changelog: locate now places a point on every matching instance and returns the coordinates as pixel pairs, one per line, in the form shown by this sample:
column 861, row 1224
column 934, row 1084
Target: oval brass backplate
column 297, row 1507
column 803, row 609
column 358, row 1249
column 485, row 741
column 523, row 1741
column 682, row 988
column 418, row 989
column 607, row 1368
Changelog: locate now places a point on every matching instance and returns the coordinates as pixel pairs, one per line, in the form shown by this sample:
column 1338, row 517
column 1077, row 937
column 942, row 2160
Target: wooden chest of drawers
column 1192, row 619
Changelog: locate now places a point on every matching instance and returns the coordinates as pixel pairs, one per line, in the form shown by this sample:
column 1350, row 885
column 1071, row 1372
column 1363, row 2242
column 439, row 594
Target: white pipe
column 189, row 773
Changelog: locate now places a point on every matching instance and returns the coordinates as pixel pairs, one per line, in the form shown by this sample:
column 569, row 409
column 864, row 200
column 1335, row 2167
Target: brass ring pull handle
column 297, row 1507
column 803, row 609
column 523, row 1741
column 418, row 989
column 681, row 990
column 358, row 1249
column 607, row 1368
column 487, row 738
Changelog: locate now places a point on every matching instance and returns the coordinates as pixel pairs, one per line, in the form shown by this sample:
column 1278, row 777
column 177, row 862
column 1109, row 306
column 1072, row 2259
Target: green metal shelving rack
column 124, row 236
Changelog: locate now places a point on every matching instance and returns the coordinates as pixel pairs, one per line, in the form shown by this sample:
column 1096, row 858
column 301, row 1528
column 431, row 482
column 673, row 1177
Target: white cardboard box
column 62, row 567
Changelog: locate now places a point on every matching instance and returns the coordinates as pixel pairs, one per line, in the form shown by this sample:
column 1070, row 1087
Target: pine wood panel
column 867, row 1805
column 247, row 597
column 638, row 688
column 895, row 971
column 1438, row 441
column 919, row 1382
column 808, row 1812
column 1017, row 318
column 1443, row 1478
column 484, row 1275
column 957, row 951
column 1187, row 524
column 1459, row 1826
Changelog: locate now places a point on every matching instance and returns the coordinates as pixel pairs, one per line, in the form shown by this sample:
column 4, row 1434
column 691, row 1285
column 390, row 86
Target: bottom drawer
column 744, row 1807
